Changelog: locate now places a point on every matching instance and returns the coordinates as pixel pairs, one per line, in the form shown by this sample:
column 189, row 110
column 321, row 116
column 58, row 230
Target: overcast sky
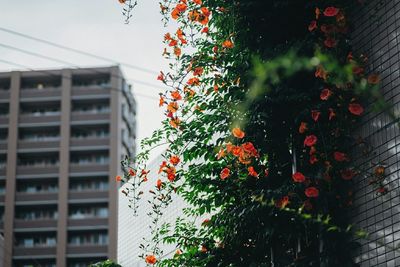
column 95, row 26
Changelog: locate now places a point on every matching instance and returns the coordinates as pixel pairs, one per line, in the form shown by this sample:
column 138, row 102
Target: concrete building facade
column 62, row 136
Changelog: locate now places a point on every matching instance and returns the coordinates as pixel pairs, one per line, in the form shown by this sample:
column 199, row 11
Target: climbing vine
column 262, row 102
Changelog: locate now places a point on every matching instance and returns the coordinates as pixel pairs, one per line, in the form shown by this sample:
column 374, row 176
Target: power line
column 77, row 51
column 67, row 77
column 70, row 64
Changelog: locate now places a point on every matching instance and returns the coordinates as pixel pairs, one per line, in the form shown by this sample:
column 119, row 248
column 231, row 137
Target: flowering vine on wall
column 262, row 102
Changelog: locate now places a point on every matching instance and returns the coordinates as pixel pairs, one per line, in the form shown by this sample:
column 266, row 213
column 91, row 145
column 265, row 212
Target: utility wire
column 77, row 51
column 70, row 64
column 68, row 77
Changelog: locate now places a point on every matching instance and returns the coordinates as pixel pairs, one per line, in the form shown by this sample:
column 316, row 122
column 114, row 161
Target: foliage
column 264, row 96
column 107, row 263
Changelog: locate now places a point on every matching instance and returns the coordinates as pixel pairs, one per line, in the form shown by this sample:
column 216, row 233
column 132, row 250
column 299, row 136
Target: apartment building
column 62, row 136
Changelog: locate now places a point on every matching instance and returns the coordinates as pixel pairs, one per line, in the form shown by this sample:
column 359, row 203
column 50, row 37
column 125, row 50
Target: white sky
column 95, row 26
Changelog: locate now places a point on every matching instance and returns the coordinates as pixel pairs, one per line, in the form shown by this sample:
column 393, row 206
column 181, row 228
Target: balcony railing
column 4, row 95
column 90, row 92
column 26, row 253
column 44, row 196
column 48, row 92
column 87, row 249
column 91, row 117
column 38, row 223
column 88, row 222
column 37, row 169
column 4, row 120
column 42, row 144
column 37, row 118
column 88, row 167
column 90, row 141
column 75, row 195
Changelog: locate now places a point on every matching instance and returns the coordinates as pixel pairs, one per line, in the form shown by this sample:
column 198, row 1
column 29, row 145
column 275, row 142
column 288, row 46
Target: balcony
column 89, row 142
column 37, row 170
column 4, row 120
column 4, row 96
column 89, row 118
column 45, row 196
column 28, row 119
column 39, row 223
column 98, row 250
column 2, row 171
column 27, row 252
column 33, row 94
column 42, row 145
column 87, row 195
column 3, row 146
column 89, row 223
column 90, row 92
column 86, row 168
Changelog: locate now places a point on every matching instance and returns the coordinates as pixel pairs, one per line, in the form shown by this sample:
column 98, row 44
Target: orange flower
column 238, row 133
column 118, row 178
column 373, row 79
column 221, row 153
column 174, row 160
column 193, row 81
column 122, row 1
column 193, row 15
column 298, row 177
column 313, row 159
column 162, row 101
column 356, row 109
column 173, row 42
column 176, row 95
column 204, row 30
column 173, row 107
column 198, row 71
column 379, row 171
column 227, row 44
column 321, row 73
column 150, row 259
column 132, row 172
column 177, row 51
column 225, row 173
column 178, row 10
column 252, row 172
column 167, row 36
column 237, row 151
column 303, row 127
column 249, row 148
column 175, row 122
column 159, row 184
column 282, row 203
column 311, row 192
column 198, row 2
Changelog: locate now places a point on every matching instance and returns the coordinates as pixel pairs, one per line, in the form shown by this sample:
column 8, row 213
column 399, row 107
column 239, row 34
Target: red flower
column 311, row 192
column 312, row 26
column 358, row 70
column 339, row 156
column 225, row 173
column 204, row 30
column 298, row 177
column 161, row 77
column 132, row 172
column 238, row 133
column 330, row 42
column 373, row 79
column 313, row 159
column 198, row 71
column 331, row 11
column 176, row 95
column 315, row 115
column 307, row 205
column 356, row 109
column 118, row 178
column 325, row 94
column 347, row 174
column 249, row 148
column 310, row 140
column 303, row 127
column 174, row 160
column 252, row 172
column 150, row 259
column 332, row 113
